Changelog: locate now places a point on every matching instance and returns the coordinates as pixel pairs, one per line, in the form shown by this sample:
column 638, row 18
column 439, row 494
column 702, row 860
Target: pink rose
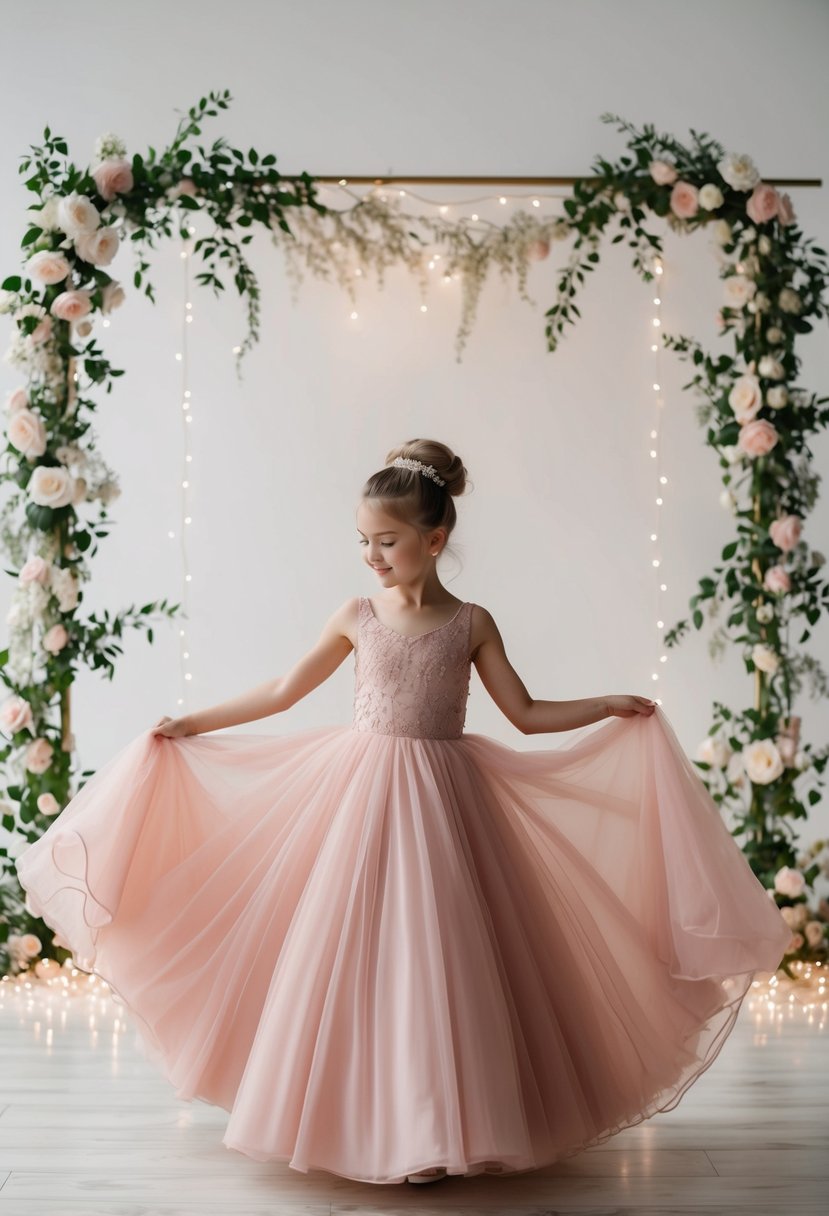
column 814, row 933
column 789, row 882
column 757, row 438
column 777, row 579
column 17, row 400
column 42, row 331
column 113, row 176
column 48, row 804
column 55, row 638
column 785, row 532
column 662, row 173
column 795, row 943
column 38, row 755
column 48, row 267
column 71, row 305
column 15, row 715
column 50, row 486
column 35, row 570
column 746, row 398
column 98, row 248
column 27, row 433
column 785, row 211
column 185, row 186
column 684, row 200
column 538, row 250
column 762, row 204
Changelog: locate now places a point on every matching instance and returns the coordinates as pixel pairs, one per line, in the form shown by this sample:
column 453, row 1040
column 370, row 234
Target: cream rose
column 757, row 438
column 47, row 267
column 72, row 305
column 771, row 368
column 777, row 396
column 762, row 762
column 27, row 433
column 764, row 613
column 764, row 658
column 55, row 638
column 739, row 171
column 715, row 751
column 16, row 714
column 662, row 173
column 735, row 771
column 764, row 245
column 38, row 755
column 98, row 248
column 113, row 176
column 738, row 290
column 77, row 214
column 710, row 197
column 684, row 200
column 789, row 300
column 785, row 532
column 113, row 297
column 50, row 486
column 746, row 398
column 763, row 203
column 721, row 230
column 777, row 579
column 775, row 334
column 18, row 399
column 48, row 804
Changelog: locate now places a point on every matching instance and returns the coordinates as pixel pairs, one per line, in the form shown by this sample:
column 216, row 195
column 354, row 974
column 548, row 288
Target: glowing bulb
column 656, row 388
column 423, row 308
column 354, row 316
column 171, row 535
column 656, row 320
column 536, row 203
column 502, row 199
column 178, row 355
column 655, row 561
column 654, row 347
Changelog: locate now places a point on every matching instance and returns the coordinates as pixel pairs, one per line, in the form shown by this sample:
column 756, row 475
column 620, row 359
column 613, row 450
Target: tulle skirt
column 381, row 953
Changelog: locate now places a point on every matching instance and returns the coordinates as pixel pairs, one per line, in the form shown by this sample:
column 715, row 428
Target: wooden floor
column 89, row 1128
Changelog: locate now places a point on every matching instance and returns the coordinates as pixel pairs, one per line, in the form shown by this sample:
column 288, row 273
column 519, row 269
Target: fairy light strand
column 660, row 587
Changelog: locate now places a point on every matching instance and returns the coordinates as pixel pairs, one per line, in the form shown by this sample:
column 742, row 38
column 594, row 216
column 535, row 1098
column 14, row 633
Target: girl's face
column 396, row 551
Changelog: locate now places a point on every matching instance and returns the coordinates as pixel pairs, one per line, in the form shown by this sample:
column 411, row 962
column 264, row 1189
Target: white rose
column 777, row 396
column 764, row 245
column 789, row 300
column 760, row 303
column 764, row 658
column 98, row 248
column 764, row 613
column 710, row 197
column 762, row 761
column 746, row 398
column 732, row 453
column 715, row 751
column 770, row 368
column 8, row 299
column 50, row 486
column 789, row 882
column 735, row 771
column 774, row 334
column 27, row 433
column 77, row 215
column 801, row 762
column 737, row 290
column 728, row 500
column 748, row 235
column 739, row 171
column 721, row 231
column 65, row 586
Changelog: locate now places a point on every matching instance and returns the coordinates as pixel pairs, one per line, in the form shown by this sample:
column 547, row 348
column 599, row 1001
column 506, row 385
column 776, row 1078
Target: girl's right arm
column 275, row 695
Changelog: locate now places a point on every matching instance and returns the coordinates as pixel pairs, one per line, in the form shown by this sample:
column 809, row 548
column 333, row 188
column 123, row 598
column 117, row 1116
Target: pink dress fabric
column 391, row 945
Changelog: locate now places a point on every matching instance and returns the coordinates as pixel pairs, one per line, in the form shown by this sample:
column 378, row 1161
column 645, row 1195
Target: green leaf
column 30, row 237
column 12, row 283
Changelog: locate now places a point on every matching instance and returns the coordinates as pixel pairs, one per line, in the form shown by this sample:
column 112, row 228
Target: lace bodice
column 415, row 686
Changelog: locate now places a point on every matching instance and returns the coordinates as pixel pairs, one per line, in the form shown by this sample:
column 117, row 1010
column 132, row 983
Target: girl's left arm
column 529, row 715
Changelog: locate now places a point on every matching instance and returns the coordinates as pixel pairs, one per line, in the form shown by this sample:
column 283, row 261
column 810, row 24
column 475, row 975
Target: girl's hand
column 172, row 728
column 626, row 706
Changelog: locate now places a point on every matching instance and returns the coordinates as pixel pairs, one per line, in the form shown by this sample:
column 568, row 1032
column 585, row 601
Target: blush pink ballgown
column 391, row 945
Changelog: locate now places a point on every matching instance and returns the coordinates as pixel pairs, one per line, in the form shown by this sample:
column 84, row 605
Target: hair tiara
column 428, row 470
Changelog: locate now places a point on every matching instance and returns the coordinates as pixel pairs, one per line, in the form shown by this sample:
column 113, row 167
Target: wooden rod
column 793, row 182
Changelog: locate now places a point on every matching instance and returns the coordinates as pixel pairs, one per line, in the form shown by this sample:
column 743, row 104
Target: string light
column 185, row 512
column 655, row 453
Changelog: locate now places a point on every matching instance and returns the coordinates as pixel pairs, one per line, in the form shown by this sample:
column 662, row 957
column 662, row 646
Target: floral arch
column 757, row 421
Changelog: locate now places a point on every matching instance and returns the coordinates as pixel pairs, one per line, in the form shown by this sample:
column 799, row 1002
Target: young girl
column 393, row 949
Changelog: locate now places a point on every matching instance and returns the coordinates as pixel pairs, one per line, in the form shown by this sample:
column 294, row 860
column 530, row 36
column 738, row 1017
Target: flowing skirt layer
column 381, row 953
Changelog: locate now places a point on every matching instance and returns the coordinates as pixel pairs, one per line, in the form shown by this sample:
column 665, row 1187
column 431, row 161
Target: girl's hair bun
column 444, row 461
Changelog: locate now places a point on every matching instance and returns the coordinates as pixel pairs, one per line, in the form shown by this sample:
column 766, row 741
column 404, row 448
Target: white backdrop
column 554, row 538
